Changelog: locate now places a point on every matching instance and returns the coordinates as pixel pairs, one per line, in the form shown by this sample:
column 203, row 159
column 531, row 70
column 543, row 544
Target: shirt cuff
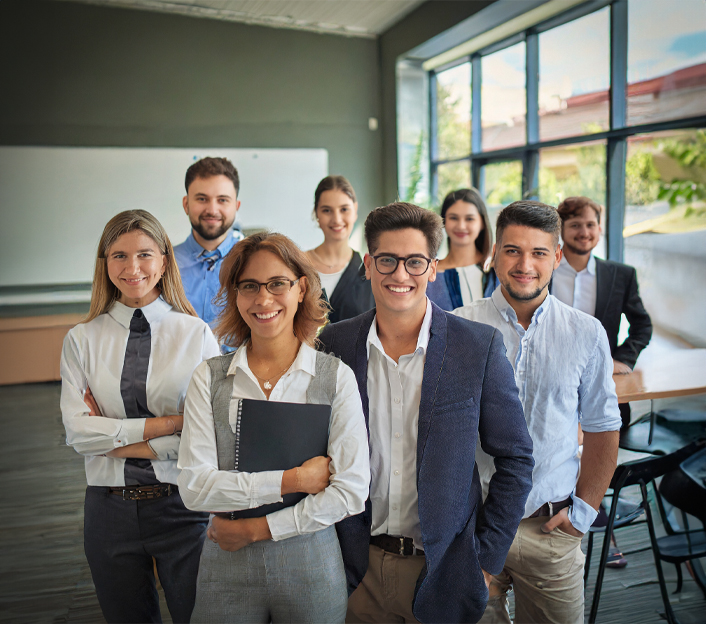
column 282, row 524
column 165, row 447
column 132, row 431
column 581, row 514
column 266, row 488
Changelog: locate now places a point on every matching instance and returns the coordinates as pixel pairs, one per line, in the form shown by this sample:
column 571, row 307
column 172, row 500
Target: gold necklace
column 267, row 385
column 329, row 266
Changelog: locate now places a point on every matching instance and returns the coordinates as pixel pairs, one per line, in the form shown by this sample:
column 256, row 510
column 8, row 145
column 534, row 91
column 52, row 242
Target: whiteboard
column 55, row 201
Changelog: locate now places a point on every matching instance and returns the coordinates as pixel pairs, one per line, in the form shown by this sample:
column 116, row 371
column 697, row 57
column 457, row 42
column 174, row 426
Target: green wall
column 77, row 74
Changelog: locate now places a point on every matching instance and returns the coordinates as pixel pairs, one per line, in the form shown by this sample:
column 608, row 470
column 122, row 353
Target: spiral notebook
column 278, row 436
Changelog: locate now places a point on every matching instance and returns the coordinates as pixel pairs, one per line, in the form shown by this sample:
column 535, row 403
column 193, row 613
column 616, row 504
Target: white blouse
column 93, row 356
column 203, row 487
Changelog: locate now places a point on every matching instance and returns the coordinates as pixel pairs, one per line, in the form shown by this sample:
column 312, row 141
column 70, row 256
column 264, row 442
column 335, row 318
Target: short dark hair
column 333, row 183
column 573, row 206
column 484, row 242
column 400, row 216
column 532, row 214
column 209, row 167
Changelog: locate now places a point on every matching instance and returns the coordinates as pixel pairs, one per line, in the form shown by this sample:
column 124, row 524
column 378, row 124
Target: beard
column 576, row 250
column 529, row 296
column 211, row 232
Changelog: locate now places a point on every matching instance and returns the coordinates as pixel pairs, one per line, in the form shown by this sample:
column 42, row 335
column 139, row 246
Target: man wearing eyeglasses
column 432, row 385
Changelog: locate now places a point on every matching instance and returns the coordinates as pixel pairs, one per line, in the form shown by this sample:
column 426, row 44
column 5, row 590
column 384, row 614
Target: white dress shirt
column 93, row 356
column 576, row 289
column 471, row 282
column 204, row 487
column 564, row 374
column 394, row 392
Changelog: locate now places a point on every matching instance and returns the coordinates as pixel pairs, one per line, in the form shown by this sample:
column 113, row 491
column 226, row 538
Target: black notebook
column 278, row 436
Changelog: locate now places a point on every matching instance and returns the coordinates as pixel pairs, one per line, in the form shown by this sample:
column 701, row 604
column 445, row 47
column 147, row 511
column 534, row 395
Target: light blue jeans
column 300, row 579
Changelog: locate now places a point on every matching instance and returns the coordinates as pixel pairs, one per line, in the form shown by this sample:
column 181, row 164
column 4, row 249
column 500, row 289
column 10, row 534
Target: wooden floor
column 44, row 576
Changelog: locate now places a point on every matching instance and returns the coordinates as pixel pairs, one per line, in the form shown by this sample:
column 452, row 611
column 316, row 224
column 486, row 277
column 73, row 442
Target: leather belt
column 396, row 545
column 551, row 509
column 144, row 492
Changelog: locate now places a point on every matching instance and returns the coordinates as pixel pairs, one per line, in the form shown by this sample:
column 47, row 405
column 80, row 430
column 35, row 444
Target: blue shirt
column 200, row 270
column 564, row 373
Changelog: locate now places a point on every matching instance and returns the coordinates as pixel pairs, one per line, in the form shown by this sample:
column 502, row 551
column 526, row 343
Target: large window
column 609, row 101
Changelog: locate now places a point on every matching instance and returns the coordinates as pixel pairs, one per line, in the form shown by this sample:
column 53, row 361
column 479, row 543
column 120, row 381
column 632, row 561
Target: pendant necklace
column 328, row 266
column 266, row 382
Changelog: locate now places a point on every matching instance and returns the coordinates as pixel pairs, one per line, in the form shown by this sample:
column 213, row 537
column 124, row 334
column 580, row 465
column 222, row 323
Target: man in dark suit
column 433, row 386
column 601, row 288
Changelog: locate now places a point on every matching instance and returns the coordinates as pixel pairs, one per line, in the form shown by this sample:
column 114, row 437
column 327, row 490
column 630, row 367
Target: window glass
column 503, row 99
column 574, row 170
column 665, row 227
column 453, row 112
column 452, row 176
column 502, row 184
column 666, row 60
column 574, row 80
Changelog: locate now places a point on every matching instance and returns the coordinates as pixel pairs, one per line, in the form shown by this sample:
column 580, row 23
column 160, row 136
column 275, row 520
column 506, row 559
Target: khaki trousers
column 546, row 572
column 386, row 592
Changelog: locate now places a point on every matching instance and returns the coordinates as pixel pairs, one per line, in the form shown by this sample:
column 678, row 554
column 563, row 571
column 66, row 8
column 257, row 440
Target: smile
column 132, row 281
column 399, row 289
column 266, row 316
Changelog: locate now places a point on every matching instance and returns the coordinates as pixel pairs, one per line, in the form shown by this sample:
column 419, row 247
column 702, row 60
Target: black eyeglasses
column 250, row 288
column 414, row 265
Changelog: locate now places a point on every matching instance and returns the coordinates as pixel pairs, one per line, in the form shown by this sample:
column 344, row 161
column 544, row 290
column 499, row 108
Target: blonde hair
column 312, row 311
column 105, row 293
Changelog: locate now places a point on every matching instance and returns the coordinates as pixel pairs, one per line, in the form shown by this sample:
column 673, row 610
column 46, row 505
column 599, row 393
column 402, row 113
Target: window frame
column 616, row 136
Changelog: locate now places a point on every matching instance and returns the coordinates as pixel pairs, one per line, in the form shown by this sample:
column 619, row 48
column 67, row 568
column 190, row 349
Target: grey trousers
column 300, row 579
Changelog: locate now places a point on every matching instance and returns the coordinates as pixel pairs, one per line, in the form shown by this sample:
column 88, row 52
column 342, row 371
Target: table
column 675, row 373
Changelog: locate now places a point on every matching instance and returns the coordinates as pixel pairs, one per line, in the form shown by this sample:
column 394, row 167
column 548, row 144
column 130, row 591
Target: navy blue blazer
column 468, row 392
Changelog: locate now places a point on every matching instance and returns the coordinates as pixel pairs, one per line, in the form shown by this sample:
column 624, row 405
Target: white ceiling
column 356, row 18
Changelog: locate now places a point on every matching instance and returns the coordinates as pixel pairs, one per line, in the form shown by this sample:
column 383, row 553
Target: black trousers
column 121, row 538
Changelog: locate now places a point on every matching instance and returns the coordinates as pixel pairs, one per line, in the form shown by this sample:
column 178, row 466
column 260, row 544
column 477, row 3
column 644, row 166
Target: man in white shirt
column 433, row 386
column 563, row 370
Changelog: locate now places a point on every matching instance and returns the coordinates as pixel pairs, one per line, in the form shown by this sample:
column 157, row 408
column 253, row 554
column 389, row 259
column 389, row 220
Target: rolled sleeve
column 598, row 401
column 581, row 514
column 165, row 447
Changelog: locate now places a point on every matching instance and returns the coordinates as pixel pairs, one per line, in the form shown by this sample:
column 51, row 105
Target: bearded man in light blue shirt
column 211, row 203
column 563, row 370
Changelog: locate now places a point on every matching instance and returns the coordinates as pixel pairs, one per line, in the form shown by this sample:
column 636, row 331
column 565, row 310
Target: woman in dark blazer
column 464, row 275
column 339, row 267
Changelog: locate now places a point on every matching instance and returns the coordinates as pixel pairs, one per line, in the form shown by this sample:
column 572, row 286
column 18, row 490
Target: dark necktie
column 133, row 389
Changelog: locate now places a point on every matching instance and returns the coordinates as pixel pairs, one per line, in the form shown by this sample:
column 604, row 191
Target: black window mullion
column 476, row 125
column 530, row 162
column 433, row 140
column 616, row 153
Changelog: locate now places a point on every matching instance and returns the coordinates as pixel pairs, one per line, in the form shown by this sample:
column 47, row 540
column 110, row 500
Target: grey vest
column 321, row 391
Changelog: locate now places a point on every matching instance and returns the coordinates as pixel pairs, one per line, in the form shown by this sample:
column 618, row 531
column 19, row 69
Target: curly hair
column 311, row 314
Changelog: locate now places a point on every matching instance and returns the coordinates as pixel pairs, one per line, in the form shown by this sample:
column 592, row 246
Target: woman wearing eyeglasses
column 285, row 566
column 339, row 266
column 464, row 275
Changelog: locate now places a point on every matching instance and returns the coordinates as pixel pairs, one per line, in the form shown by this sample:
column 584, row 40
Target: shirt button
column 397, row 399
column 394, row 508
column 397, row 472
column 397, row 435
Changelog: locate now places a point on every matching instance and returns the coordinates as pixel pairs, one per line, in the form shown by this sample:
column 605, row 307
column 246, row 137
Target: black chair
column 673, row 548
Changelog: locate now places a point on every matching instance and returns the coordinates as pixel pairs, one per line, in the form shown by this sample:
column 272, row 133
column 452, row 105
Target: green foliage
column 453, row 130
column 415, row 171
column 503, row 183
column 451, row 177
column 691, row 156
column 587, row 178
column 642, row 179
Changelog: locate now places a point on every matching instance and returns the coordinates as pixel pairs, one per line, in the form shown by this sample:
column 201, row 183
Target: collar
column 305, row 361
column 221, row 251
column 153, row 312
column 508, row 313
column 422, row 339
column 590, row 267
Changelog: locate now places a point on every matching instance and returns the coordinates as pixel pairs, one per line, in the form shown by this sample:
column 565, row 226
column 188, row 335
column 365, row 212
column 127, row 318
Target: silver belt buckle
column 551, row 509
column 402, row 546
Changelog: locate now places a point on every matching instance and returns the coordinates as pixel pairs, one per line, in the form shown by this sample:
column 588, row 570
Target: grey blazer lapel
column 433, row 371
column 605, row 278
column 360, row 365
